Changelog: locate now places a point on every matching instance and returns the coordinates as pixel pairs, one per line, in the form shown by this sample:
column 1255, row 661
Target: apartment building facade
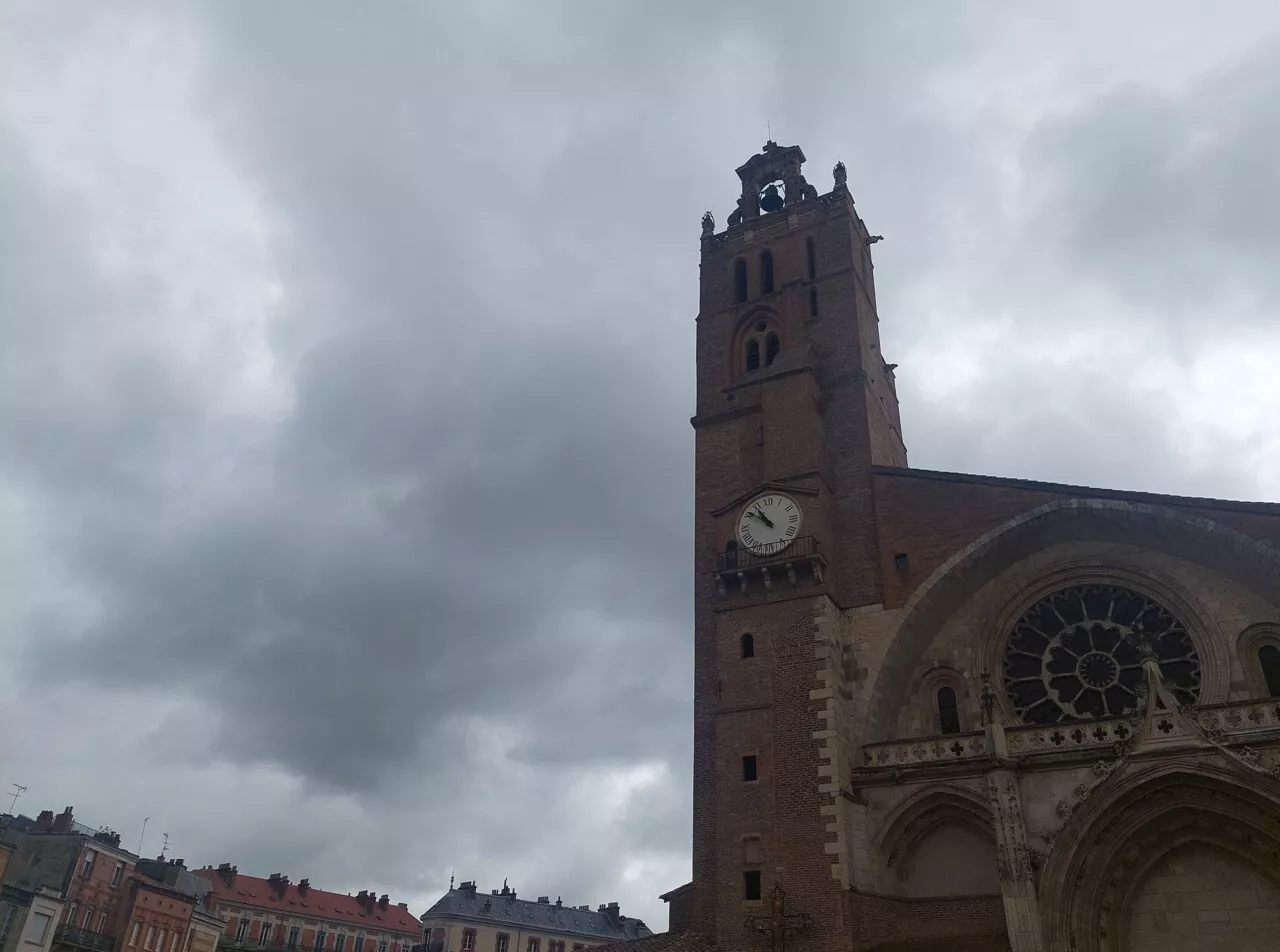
column 467, row 920
column 276, row 915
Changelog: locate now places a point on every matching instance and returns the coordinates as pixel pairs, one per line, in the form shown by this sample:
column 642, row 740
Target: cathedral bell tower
column 795, row 405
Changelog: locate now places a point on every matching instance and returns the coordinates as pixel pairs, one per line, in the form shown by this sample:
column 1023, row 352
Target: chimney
column 557, row 902
column 469, row 888
column 544, row 900
column 383, row 901
column 62, row 822
column 44, row 822
column 402, row 905
column 279, row 884
column 227, row 873
column 303, row 886
column 613, row 912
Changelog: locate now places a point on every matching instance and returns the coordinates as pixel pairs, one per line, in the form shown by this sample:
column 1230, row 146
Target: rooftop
column 502, row 907
column 278, row 894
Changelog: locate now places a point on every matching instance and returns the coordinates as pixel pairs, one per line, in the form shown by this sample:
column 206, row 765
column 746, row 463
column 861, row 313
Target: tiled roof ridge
column 606, row 922
column 316, row 903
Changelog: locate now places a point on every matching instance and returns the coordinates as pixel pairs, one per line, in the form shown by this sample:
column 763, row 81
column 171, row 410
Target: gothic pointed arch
column 1253, row 563
column 1132, row 821
column 922, row 815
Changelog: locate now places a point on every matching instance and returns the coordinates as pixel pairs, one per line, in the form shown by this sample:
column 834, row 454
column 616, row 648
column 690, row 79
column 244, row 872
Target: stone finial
column 840, row 174
column 708, row 224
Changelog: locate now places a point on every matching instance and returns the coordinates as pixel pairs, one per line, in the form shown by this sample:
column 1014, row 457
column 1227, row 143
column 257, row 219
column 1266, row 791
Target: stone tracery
column 1077, row 654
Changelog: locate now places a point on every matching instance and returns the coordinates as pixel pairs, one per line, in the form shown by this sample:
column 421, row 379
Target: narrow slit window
column 770, row 349
column 811, row 259
column 748, row 646
column 749, row 771
column 753, row 354
column 948, row 711
column 751, row 884
column 1269, row 661
column 739, row 281
column 813, row 302
column 766, row 272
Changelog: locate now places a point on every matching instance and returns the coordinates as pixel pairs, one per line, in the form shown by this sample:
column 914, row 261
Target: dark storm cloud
column 423, row 597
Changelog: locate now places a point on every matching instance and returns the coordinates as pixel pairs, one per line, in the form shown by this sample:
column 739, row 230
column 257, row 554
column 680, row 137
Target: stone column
column 1017, row 880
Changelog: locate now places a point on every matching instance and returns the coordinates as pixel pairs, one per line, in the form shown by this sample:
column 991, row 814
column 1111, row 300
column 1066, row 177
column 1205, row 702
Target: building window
column 292, row 941
column 358, row 945
column 748, row 646
column 150, row 942
column 749, row 768
column 813, row 302
column 766, row 272
column 468, row 938
column 87, row 921
column 69, row 917
column 102, row 922
column 241, row 931
column 1269, row 661
column 948, row 710
column 382, row 946
column 87, row 869
column 753, row 355
column 173, row 942
column 502, row 943
column 770, row 349
column 751, row 884
column 117, row 874
column 534, row 944
column 265, row 935
column 133, row 936
column 320, row 938
column 38, row 931
column 160, row 940
column 339, row 941
column 739, row 281
column 811, row 259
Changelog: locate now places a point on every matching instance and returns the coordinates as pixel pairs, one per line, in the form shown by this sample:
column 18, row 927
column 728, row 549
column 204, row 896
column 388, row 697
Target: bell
column 771, row 201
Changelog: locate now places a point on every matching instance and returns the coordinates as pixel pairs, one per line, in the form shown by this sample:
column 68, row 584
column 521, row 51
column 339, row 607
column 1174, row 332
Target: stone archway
column 1100, row 872
column 1254, row 564
column 940, row 841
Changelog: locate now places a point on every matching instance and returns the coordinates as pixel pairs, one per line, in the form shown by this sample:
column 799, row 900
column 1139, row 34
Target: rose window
column 1077, row 654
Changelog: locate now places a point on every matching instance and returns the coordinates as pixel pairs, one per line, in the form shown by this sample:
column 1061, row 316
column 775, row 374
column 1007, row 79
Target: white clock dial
column 769, row 522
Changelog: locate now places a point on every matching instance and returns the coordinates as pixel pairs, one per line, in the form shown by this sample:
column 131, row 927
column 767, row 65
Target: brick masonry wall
column 882, row 919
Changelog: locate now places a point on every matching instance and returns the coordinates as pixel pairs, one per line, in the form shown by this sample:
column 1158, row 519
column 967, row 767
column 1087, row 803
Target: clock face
column 769, row 522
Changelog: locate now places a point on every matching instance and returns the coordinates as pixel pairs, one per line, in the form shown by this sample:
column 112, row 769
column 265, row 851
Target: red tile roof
column 318, row 903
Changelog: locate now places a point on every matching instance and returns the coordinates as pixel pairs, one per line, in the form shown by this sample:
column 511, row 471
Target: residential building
column 29, row 918
column 466, row 920
column 940, row 711
column 275, row 914
column 87, row 870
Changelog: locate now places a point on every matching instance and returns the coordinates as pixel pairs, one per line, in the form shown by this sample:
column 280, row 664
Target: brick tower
column 795, row 405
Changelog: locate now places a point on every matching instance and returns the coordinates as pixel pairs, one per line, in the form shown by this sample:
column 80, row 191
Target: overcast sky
column 346, row 363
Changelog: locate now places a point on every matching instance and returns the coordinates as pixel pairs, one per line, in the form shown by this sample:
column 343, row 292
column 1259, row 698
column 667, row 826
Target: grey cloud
column 412, row 621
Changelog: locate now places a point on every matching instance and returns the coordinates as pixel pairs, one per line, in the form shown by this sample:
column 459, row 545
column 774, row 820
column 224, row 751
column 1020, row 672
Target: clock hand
column 765, row 519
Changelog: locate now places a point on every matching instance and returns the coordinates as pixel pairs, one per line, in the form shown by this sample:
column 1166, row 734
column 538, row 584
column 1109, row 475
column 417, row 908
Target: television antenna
column 18, row 790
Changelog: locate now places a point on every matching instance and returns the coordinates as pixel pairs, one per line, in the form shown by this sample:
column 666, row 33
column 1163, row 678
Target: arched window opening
column 748, row 646
column 813, row 302
column 766, row 272
column 731, row 554
column 770, row 349
column 739, row 281
column 1269, row 661
column 811, row 259
column 753, row 355
column 948, row 711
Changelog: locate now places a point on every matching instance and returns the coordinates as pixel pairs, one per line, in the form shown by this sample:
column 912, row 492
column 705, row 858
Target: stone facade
column 951, row 712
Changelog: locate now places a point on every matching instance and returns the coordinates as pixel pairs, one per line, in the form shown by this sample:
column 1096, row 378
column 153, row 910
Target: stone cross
column 778, row 925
